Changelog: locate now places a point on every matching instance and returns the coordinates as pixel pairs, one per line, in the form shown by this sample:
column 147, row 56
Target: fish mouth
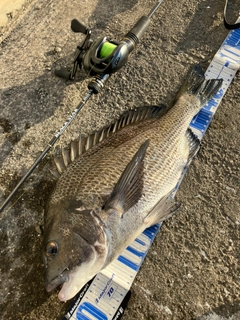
column 55, row 282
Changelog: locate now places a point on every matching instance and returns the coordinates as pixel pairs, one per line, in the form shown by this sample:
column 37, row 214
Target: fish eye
column 51, row 249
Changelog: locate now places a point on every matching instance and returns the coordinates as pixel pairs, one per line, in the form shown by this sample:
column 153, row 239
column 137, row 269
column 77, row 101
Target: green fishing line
column 107, row 49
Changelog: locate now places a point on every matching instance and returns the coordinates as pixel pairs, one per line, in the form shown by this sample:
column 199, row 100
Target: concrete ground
column 192, row 268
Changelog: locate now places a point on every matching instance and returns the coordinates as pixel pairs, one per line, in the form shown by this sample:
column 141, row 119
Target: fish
column 117, row 182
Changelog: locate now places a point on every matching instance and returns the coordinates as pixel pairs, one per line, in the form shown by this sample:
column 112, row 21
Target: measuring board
column 106, row 296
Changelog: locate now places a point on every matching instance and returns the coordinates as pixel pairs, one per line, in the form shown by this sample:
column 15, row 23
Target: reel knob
column 77, row 26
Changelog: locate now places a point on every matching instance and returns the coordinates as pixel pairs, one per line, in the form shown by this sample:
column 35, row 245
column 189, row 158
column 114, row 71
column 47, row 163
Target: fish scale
column 163, row 142
column 120, row 183
column 104, row 169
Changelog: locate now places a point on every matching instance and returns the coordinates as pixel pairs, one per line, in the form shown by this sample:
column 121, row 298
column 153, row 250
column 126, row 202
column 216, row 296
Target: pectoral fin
column 163, row 210
column 128, row 189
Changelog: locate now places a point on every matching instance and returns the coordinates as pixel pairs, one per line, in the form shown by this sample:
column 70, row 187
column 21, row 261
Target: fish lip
column 57, row 281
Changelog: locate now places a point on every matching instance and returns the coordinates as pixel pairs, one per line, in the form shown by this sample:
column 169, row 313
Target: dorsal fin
column 81, row 145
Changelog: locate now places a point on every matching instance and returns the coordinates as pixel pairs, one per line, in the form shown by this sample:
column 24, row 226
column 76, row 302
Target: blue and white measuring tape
column 106, row 296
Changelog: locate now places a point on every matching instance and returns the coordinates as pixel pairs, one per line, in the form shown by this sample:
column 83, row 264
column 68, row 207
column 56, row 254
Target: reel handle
column 77, row 26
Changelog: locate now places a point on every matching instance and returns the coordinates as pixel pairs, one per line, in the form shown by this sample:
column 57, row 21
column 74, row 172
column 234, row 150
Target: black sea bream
column 117, row 182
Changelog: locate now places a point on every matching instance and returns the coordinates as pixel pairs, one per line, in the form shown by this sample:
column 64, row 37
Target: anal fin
column 163, row 210
column 194, row 144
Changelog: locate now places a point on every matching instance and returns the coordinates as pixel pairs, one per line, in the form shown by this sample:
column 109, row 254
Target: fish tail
column 196, row 84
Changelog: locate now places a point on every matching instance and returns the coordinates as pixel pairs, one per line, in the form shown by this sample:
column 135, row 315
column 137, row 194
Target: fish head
column 75, row 247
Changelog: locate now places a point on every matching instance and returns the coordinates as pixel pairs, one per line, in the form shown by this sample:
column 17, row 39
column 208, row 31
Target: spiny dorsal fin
column 81, row 145
column 128, row 189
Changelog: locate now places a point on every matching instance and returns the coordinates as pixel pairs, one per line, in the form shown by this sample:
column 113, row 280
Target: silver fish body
column 116, row 183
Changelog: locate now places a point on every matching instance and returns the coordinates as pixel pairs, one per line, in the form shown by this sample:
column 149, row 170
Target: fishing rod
column 100, row 59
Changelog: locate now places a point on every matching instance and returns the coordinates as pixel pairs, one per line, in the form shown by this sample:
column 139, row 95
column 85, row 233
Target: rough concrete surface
column 192, row 268
column 8, row 9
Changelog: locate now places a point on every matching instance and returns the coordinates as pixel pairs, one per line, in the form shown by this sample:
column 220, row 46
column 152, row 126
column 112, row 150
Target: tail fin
column 197, row 85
